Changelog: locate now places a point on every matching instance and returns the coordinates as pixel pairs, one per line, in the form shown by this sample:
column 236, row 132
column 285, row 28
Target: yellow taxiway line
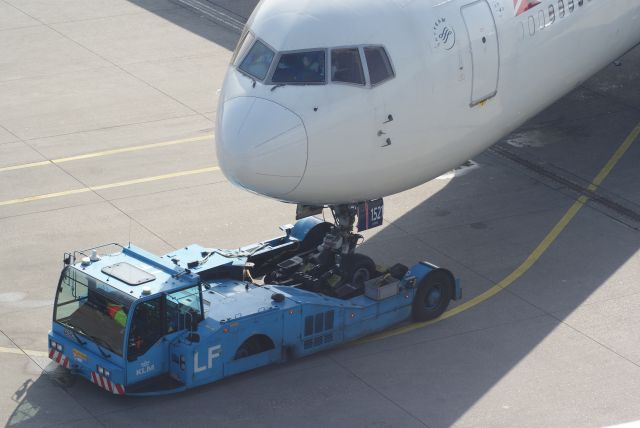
column 107, row 153
column 495, row 289
column 109, row 186
column 4, row 350
column 535, row 254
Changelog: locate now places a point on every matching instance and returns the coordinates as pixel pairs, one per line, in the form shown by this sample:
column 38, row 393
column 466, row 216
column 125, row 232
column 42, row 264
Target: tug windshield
column 90, row 308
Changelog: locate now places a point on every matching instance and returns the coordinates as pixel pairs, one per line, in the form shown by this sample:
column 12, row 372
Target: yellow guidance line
column 109, row 186
column 497, row 288
column 532, row 258
column 107, row 153
column 18, row 351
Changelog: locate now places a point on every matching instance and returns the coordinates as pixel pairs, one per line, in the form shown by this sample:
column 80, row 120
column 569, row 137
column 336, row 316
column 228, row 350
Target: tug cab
column 118, row 318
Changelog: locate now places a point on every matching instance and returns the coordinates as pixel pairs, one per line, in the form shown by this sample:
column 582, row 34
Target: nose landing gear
column 330, row 265
column 333, row 268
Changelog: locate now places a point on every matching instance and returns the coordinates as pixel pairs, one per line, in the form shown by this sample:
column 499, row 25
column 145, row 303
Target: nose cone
column 261, row 145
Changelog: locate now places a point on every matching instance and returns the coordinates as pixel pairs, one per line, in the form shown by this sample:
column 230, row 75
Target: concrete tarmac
column 107, row 116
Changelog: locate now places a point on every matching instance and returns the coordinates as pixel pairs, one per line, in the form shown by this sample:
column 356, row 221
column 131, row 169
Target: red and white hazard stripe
column 104, row 383
column 59, row 357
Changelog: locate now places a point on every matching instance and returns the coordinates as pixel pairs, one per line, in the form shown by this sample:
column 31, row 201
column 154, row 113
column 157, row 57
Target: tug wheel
column 433, row 296
column 358, row 269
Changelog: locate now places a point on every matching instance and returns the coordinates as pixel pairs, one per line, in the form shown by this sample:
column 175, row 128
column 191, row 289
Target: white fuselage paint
column 440, row 116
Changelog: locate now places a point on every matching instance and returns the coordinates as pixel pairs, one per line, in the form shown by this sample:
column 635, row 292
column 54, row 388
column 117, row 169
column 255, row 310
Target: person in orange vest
column 117, row 313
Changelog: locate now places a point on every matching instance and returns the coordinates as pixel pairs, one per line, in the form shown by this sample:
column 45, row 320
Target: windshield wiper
column 279, row 85
column 74, row 330
column 102, row 342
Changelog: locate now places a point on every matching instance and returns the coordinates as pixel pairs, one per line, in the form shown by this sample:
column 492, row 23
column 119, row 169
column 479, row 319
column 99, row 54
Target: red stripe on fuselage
column 525, row 5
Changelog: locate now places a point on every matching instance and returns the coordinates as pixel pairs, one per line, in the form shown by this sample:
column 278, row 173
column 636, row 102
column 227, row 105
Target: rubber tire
column 353, row 266
column 424, row 307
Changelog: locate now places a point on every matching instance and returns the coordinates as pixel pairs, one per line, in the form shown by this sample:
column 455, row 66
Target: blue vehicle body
column 204, row 317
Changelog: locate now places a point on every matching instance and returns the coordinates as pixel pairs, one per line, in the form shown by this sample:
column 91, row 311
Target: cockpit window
column 346, row 66
column 246, row 40
column 378, row 63
column 258, row 61
column 300, row 67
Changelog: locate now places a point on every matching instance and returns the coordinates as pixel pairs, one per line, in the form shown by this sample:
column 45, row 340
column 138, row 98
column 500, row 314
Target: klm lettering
column 145, row 367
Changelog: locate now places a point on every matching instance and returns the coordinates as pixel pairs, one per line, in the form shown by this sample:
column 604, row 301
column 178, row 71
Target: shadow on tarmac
column 482, row 225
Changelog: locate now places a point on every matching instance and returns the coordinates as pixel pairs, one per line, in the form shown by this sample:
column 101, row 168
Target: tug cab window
column 93, row 309
column 301, row 68
column 146, row 328
column 346, row 66
column 258, row 61
column 152, row 319
column 379, row 64
column 184, row 309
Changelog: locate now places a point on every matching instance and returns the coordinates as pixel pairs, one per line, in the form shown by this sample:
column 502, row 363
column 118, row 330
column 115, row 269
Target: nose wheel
column 358, row 269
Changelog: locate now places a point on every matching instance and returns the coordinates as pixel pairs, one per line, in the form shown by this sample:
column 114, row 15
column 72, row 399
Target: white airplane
column 333, row 102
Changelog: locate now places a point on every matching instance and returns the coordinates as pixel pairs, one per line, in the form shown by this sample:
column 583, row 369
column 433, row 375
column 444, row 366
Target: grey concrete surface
column 558, row 347
column 56, row 11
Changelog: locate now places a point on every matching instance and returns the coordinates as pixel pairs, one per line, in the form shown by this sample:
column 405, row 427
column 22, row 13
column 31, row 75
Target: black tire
column 434, row 294
column 358, row 269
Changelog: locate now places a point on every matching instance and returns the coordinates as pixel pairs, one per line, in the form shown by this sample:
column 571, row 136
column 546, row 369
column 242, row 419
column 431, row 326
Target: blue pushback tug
column 139, row 324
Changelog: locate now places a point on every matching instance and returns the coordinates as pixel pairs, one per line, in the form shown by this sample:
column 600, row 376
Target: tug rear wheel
column 433, row 296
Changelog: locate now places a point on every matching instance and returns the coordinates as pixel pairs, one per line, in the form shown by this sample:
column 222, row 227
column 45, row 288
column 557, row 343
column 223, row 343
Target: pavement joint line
column 107, row 153
column 533, row 257
column 114, row 64
column 109, row 186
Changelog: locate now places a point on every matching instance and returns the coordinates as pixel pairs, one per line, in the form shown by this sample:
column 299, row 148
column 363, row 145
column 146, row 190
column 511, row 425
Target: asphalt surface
column 106, row 134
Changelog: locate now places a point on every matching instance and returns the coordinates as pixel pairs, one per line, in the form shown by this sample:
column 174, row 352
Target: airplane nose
column 261, row 145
